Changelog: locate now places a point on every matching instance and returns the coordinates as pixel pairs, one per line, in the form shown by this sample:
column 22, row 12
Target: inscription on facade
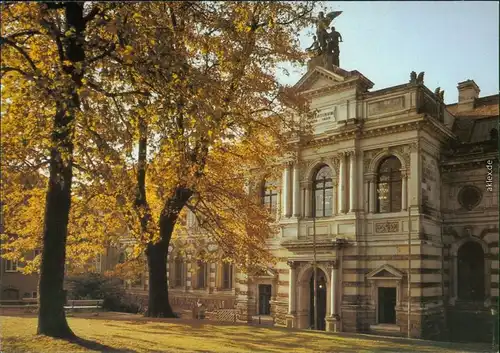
column 386, row 106
column 387, row 227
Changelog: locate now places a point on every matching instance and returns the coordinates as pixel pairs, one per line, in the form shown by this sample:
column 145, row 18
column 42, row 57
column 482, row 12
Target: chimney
column 468, row 91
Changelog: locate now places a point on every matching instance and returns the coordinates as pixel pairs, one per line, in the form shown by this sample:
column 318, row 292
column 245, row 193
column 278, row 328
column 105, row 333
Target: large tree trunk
column 51, row 317
column 158, row 304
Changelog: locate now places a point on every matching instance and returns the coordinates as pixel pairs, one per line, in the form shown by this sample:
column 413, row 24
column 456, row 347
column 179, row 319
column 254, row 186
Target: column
column 285, row 189
column 333, row 288
column 353, row 185
column 278, row 204
column 291, row 287
column 342, row 182
column 373, row 194
column 404, row 183
column 307, row 196
column 334, row 198
column 212, row 285
column 296, row 190
column 366, row 196
column 188, row 274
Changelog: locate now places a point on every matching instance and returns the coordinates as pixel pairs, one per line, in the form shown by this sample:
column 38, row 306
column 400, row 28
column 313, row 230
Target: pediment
column 385, row 272
column 318, row 78
column 265, row 273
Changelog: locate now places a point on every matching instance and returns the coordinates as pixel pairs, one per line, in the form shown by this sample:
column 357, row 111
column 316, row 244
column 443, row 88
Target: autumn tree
column 214, row 110
column 47, row 49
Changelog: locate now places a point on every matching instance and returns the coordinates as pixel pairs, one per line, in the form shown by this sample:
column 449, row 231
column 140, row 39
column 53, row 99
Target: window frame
column 178, row 280
column 268, row 194
column 201, row 274
column 229, row 271
column 14, row 265
column 324, row 189
column 391, row 183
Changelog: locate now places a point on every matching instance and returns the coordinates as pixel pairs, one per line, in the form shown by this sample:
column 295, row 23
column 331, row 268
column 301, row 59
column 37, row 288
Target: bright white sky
column 451, row 41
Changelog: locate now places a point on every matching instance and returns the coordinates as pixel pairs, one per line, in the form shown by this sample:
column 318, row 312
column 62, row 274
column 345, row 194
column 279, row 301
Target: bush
column 96, row 286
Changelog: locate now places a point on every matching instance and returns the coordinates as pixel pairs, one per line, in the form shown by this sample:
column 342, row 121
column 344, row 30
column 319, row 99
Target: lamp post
column 315, row 274
column 409, row 271
column 493, row 315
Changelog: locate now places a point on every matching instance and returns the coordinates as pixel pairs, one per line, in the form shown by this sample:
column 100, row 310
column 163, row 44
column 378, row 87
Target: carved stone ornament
column 333, row 264
column 336, row 165
column 292, row 264
column 387, row 227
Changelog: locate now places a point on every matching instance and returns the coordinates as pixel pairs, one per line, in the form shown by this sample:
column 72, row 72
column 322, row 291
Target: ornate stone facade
column 368, row 256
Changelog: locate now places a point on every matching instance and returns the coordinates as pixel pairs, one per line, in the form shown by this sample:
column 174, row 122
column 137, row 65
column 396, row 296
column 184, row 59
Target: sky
column 452, row 41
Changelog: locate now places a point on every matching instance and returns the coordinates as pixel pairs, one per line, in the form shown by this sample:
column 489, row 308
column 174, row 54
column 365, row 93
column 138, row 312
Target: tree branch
column 5, row 69
column 23, row 33
column 4, row 40
column 118, row 94
column 92, row 14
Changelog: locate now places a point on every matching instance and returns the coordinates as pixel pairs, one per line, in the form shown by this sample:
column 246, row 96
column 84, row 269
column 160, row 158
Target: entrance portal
column 386, row 305
column 321, row 292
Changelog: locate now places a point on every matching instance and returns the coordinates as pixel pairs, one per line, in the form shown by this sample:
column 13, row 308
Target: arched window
column 323, row 192
column 201, row 275
column 178, row 271
column 227, row 276
column 389, row 185
column 470, row 259
column 270, row 197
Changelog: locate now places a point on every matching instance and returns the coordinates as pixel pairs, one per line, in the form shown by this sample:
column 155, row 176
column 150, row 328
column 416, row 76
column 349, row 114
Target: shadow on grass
column 97, row 346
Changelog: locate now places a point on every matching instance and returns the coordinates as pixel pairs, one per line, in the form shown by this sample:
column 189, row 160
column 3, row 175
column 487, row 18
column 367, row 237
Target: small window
column 34, row 295
column 469, row 197
column 227, row 276
column 179, row 272
column 201, row 274
column 11, row 266
column 270, row 197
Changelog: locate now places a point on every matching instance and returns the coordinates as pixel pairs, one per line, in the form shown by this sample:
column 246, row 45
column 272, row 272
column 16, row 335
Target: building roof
column 474, row 125
column 483, row 107
column 474, row 130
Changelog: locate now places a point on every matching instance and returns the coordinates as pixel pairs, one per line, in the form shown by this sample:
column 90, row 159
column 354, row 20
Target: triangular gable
column 317, row 78
column 265, row 273
column 385, row 272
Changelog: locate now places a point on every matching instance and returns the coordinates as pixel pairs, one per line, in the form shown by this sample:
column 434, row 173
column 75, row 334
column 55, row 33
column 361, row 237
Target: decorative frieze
column 386, row 106
column 387, row 227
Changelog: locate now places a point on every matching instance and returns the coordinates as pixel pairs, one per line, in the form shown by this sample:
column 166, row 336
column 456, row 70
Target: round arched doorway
column 318, row 324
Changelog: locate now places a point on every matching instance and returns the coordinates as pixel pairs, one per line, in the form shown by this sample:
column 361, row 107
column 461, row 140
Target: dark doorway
column 386, row 305
column 471, row 272
column 264, row 299
column 321, row 292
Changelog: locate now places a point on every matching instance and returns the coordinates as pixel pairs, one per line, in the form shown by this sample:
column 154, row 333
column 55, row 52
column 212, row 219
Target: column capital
column 342, row 154
column 370, row 177
column 352, row 153
column 333, row 265
column 404, row 172
column 292, row 264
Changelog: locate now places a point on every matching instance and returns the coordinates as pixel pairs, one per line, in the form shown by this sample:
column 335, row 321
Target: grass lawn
column 132, row 333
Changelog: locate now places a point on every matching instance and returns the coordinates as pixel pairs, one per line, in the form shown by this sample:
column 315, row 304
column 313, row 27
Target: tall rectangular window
column 11, row 266
column 227, row 276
